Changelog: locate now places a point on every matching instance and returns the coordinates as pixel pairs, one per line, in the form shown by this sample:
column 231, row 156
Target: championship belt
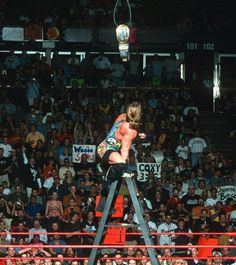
column 122, row 35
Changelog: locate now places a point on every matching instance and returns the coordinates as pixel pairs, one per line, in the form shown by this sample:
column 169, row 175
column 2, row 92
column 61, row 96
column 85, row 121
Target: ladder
column 132, row 187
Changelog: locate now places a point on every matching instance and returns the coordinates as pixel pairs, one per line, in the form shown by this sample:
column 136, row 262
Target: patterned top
column 110, row 142
column 54, row 208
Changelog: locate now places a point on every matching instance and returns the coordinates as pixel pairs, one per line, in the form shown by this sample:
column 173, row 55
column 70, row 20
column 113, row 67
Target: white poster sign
column 79, row 150
column 143, row 169
column 225, row 192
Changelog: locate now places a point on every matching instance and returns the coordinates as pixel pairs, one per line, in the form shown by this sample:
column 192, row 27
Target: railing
column 188, row 247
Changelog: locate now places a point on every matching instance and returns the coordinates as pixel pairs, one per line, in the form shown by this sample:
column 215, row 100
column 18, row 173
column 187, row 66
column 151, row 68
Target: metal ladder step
column 132, row 187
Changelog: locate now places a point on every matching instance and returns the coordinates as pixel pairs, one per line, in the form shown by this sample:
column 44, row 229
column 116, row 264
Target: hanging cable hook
column 115, row 9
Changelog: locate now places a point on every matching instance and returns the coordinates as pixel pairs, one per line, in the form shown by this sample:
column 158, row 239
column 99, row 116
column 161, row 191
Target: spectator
column 54, row 207
column 32, row 177
column 33, row 137
column 66, row 155
column 11, row 62
column 63, row 169
column 33, row 91
column 73, row 60
column 72, row 194
column 33, row 208
column 46, row 103
column 90, row 224
column 197, row 147
column 20, row 219
column 101, row 64
column 191, row 108
column 48, row 183
column 84, row 166
column 166, row 226
column 73, row 226
column 59, row 188
column 38, row 229
column 201, row 187
column 151, row 225
column 57, row 241
column 5, row 168
column 181, row 240
column 212, row 200
column 18, row 196
column 197, row 210
column 72, row 207
column 5, row 236
column 182, row 150
column 219, row 226
column 167, row 253
column 8, row 106
column 190, row 200
column 173, row 201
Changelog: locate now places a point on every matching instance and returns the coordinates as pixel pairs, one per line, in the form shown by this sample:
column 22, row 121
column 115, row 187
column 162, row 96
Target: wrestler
column 114, row 150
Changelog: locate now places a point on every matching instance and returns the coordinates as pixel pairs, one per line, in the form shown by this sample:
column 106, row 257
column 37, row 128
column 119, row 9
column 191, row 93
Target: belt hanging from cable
column 123, row 33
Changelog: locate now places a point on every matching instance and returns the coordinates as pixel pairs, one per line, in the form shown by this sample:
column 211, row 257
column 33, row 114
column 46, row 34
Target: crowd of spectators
column 184, row 16
column 42, row 190
column 35, row 72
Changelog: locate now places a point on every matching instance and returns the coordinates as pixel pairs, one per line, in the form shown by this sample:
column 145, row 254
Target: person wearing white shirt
column 101, row 62
column 197, row 146
column 182, row 150
column 192, row 108
column 48, row 183
column 151, row 225
column 146, row 203
column 180, row 167
column 65, row 168
column 4, row 229
column 7, row 148
column 166, row 226
column 38, row 229
column 211, row 201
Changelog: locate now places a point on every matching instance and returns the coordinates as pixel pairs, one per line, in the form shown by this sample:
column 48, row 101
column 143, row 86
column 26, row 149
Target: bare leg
column 116, row 158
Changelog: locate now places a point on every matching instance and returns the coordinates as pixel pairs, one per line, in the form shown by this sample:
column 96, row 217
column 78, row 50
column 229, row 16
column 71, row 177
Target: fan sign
column 225, row 192
column 79, row 150
column 143, row 169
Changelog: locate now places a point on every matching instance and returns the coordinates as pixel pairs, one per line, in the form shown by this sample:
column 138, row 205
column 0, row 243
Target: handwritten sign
column 225, row 192
column 143, row 169
column 79, row 150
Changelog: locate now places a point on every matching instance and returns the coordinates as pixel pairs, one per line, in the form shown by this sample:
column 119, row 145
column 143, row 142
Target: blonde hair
column 133, row 114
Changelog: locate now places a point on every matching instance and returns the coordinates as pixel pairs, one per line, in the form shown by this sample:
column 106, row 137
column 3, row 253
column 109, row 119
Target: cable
column 114, row 12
